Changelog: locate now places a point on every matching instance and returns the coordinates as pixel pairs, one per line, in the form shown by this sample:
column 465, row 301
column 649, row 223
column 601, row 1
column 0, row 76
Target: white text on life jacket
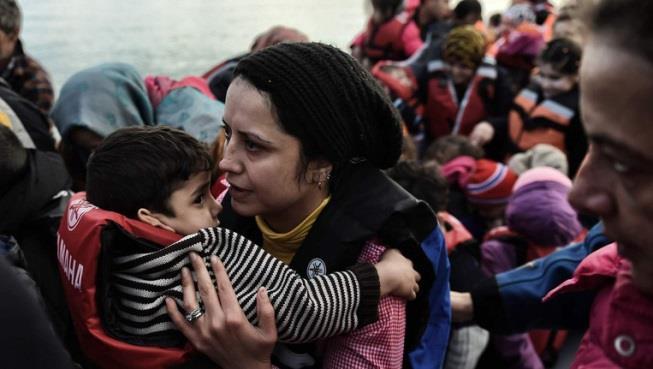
column 73, row 270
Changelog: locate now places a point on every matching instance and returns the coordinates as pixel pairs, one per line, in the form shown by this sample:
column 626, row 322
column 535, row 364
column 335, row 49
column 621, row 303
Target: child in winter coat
column 538, row 220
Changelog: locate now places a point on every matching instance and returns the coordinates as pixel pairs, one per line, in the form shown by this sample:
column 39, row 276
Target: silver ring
column 195, row 314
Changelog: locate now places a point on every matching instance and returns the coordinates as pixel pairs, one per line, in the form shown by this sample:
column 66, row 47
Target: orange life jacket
column 79, row 247
column 444, row 113
column 534, row 120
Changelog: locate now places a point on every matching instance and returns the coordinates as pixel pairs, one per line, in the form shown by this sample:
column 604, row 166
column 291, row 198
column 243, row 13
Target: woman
column 309, row 132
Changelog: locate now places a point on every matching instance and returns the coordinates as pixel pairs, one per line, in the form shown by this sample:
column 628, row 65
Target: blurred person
column 391, row 34
column 220, row 76
column 24, row 74
column 547, row 111
column 539, row 219
column 97, row 101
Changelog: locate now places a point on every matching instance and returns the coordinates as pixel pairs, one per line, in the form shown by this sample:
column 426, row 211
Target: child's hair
column 563, row 55
column 13, row 158
column 627, row 23
column 424, row 181
column 449, row 147
column 140, row 167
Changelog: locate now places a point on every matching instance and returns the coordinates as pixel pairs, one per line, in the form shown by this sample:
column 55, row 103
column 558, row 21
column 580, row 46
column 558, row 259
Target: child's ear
column 152, row 219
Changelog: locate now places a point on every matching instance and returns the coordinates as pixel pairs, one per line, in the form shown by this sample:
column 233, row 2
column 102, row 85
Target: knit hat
column 327, row 100
column 465, row 45
column 541, row 174
column 540, row 155
column 484, row 181
column 539, row 209
column 520, row 13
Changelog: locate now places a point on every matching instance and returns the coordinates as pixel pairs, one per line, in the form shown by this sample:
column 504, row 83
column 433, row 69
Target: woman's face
column 554, row 83
column 262, row 162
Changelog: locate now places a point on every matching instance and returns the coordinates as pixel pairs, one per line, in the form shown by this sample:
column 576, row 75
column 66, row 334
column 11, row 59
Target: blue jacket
column 511, row 302
column 432, row 348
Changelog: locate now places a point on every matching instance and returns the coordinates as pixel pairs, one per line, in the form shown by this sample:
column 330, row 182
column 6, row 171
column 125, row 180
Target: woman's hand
column 223, row 333
column 397, row 276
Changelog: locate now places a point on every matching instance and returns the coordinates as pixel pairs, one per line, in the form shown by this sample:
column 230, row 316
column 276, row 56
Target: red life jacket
column 384, row 41
column 532, row 122
column 444, row 113
column 78, row 251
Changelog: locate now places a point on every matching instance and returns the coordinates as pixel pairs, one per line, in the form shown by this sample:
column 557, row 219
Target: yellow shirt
column 283, row 246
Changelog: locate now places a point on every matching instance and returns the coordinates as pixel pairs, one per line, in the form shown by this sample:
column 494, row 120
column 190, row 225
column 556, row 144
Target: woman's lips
column 238, row 192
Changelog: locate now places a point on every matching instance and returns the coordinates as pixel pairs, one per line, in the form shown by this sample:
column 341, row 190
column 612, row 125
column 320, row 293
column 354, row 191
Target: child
column 425, row 182
column 148, row 187
column 548, row 110
column 538, row 220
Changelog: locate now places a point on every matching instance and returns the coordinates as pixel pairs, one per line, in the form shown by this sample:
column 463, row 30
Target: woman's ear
column 152, row 219
column 319, row 171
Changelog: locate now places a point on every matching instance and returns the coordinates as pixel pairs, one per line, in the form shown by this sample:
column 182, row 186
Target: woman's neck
column 287, row 220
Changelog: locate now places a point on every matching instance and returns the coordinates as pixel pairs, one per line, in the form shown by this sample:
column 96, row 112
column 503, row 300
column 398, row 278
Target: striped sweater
column 305, row 309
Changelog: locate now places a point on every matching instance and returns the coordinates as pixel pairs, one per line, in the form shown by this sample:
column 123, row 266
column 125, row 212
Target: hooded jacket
column 620, row 333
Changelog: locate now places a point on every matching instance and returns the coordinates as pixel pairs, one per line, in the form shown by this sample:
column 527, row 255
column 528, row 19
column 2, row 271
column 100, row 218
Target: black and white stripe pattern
column 305, row 309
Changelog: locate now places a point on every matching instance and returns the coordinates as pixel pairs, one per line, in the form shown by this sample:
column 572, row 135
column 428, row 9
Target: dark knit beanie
column 335, row 108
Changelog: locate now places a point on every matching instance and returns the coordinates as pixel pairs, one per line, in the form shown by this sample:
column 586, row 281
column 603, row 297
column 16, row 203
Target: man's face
column 616, row 179
column 7, row 44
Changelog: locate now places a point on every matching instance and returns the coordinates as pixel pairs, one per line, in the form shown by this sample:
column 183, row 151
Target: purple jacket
column 541, row 214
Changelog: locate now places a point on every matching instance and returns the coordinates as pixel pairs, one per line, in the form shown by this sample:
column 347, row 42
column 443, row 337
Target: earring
column 326, row 178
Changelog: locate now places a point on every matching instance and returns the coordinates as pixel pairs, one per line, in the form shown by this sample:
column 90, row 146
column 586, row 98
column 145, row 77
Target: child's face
column 554, row 83
column 193, row 206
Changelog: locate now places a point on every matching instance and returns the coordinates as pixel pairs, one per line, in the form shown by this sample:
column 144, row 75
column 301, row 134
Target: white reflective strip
column 489, row 60
column 435, row 65
column 558, row 108
column 462, row 106
column 529, row 95
column 487, row 72
column 497, row 176
column 17, row 126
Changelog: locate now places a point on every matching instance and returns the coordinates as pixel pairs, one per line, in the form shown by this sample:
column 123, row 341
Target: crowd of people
column 448, row 193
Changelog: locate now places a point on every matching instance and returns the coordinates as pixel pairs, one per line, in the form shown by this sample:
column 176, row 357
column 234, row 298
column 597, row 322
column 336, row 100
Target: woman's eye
column 199, row 199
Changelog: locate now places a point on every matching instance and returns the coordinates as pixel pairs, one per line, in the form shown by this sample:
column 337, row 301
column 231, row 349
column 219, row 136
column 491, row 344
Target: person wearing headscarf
column 99, row 100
